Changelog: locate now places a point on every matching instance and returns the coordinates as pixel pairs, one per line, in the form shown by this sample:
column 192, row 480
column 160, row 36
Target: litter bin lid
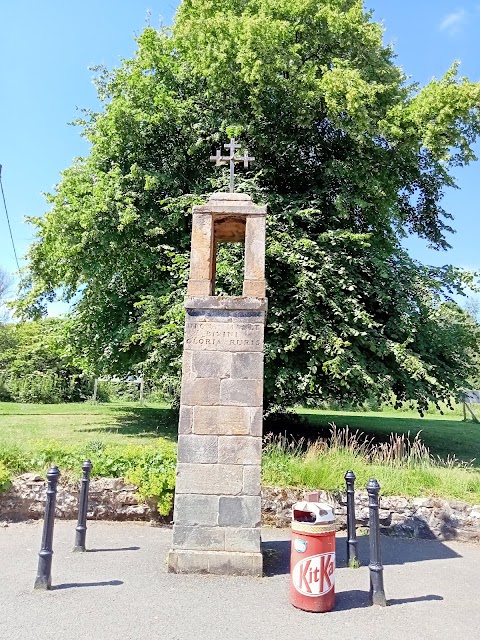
column 313, row 512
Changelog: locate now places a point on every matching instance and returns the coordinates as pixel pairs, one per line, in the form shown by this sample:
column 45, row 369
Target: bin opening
column 313, row 512
column 303, row 516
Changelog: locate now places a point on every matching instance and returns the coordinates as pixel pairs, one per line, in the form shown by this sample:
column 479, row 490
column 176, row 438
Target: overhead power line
column 8, row 219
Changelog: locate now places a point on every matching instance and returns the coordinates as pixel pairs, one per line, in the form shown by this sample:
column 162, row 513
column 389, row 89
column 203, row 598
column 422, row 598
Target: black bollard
column 352, row 543
column 44, row 572
column 81, row 530
column 377, row 591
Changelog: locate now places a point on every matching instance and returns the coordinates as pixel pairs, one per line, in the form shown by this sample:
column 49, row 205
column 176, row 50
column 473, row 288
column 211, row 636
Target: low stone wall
column 108, row 499
column 113, row 499
column 427, row 518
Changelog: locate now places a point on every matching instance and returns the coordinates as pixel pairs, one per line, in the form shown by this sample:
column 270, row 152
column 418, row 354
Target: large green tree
column 351, row 157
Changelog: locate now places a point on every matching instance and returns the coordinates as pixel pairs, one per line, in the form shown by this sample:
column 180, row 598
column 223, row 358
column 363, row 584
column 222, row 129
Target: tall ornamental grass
column 402, row 465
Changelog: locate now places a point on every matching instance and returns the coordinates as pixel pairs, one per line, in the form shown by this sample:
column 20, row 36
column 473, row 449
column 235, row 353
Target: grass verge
column 445, row 435
column 402, row 466
column 121, row 439
column 127, row 439
column 151, row 467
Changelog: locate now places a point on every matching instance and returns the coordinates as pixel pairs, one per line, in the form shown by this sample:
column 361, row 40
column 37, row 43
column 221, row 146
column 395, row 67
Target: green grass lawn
column 128, row 423
column 132, row 423
column 445, row 435
column 113, row 435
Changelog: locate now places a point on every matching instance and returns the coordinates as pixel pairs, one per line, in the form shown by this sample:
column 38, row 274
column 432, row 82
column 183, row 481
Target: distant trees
column 34, row 367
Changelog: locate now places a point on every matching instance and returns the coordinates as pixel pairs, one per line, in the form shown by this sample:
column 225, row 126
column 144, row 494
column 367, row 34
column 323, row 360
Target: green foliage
column 34, row 366
column 155, row 479
column 445, row 435
column 4, row 478
column 402, row 467
column 108, row 391
column 34, row 387
column 5, row 282
column 350, row 159
column 150, row 467
column 15, row 459
column 132, row 442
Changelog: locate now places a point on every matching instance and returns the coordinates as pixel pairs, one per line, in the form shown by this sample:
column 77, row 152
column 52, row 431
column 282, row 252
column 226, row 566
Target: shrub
column 15, row 460
column 5, row 395
column 35, row 365
column 155, row 477
column 150, row 467
column 4, row 478
column 43, row 388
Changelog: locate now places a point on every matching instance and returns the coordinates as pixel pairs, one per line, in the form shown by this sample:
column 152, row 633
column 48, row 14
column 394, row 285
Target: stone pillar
column 202, row 257
column 217, row 497
column 254, row 282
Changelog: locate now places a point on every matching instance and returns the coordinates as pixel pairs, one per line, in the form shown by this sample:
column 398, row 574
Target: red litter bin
column 312, row 564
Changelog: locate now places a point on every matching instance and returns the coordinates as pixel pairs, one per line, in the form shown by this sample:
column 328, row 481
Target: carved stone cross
column 232, row 146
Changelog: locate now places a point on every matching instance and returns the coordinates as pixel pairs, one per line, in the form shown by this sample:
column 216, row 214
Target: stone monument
column 218, row 488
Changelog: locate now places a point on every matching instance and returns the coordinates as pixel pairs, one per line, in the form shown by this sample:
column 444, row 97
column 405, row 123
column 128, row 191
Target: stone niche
column 218, row 489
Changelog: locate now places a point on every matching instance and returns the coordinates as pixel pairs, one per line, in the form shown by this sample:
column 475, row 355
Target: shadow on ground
column 116, row 549
column 76, row 585
column 398, row 551
column 138, row 422
column 356, row 599
column 395, row 551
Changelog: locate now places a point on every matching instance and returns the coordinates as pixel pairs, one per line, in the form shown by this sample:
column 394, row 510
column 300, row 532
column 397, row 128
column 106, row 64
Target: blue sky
column 46, row 50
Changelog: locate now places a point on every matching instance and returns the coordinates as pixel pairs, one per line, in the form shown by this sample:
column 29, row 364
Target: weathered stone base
column 217, row 512
column 113, row 499
column 215, row 562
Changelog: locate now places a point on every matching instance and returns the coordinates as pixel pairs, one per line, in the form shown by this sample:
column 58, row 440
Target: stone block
column 185, row 420
column 199, row 288
column 222, row 420
column 200, row 391
column 255, row 248
column 239, row 511
column 228, row 196
column 234, row 206
column 258, row 317
column 187, row 365
column 197, row 449
column 256, row 425
column 235, row 564
column 239, row 449
column 238, row 392
column 229, row 229
column 196, row 510
column 198, row 538
column 211, row 364
column 209, row 479
column 215, row 562
column 182, row 561
column 247, row 365
column 209, row 315
column 222, row 336
column 201, row 255
column 252, row 480
column 254, row 288
column 226, row 303
column 243, row 540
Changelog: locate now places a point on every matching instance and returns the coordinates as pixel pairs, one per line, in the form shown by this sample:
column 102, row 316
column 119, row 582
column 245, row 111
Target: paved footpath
column 120, row 589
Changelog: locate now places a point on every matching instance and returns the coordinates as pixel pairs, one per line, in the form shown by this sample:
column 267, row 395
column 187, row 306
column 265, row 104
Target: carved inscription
column 221, row 336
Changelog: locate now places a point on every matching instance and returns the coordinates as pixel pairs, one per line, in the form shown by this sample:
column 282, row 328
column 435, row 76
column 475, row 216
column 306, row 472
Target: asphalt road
column 120, row 589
